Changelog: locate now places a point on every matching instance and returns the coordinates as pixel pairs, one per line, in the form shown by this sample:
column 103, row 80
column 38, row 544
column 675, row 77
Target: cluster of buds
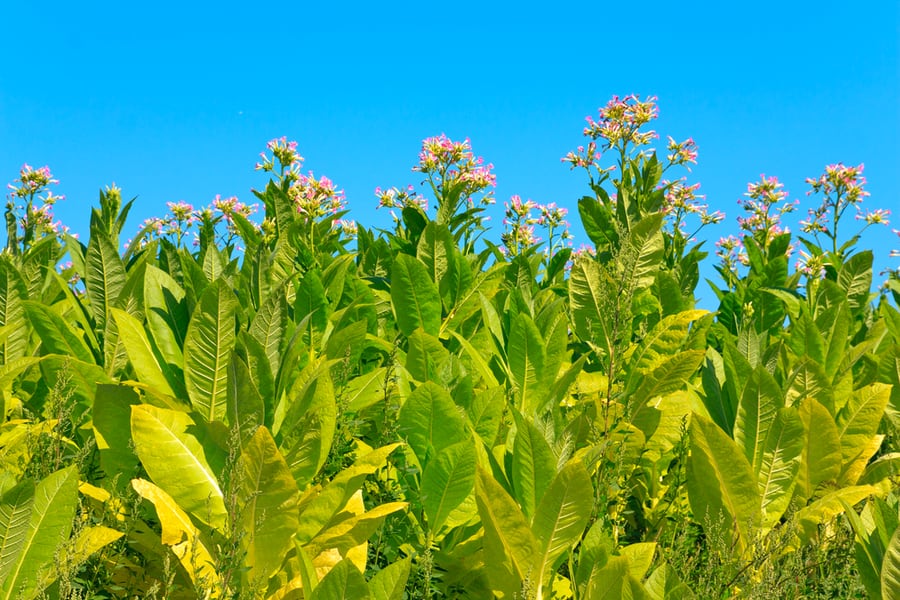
column 396, row 198
column 285, row 159
column 451, row 165
column 316, row 198
column 34, row 221
column 766, row 201
column 841, row 187
column 621, row 121
column 585, row 157
column 812, row 266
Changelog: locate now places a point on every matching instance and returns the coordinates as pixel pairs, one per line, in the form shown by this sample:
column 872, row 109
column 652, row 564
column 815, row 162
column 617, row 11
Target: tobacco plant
column 273, row 401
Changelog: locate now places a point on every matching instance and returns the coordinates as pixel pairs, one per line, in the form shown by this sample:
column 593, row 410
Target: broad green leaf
column 806, row 340
column 104, row 276
column 486, row 413
column 527, row 356
column 267, row 495
column 756, row 412
column 720, row 481
column 364, row 391
column 178, row 462
column 180, row 533
column 590, row 307
column 306, row 434
column 56, row 335
column 821, row 457
column 343, row 582
column 855, row 277
column 112, row 431
column 510, row 548
column 207, row 350
column 447, row 480
column 414, row 296
column 561, row 516
column 823, row 510
column 646, row 242
column 665, row 339
column 476, row 360
column 670, row 375
column 167, row 314
column 614, row 581
column 140, row 352
column 533, row 465
column 857, row 424
column 426, row 358
column 781, row 457
column 664, row 584
column 640, row 557
column 12, row 312
column 311, row 303
column 390, row 582
column 435, row 251
column 884, row 467
column 350, row 529
column 431, row 421
column 244, row 408
column 88, row 541
column 50, row 522
column 890, row 568
column 808, row 379
column 15, row 512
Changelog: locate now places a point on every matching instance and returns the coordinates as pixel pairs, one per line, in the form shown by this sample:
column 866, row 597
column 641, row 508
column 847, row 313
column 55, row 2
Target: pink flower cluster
column 585, row 157
column 766, row 202
column 316, row 198
column 682, row 153
column 29, row 185
column 682, row 200
column 519, row 222
column 731, row 253
column 396, row 198
column 449, row 164
column 621, row 121
column 285, row 153
column 841, row 187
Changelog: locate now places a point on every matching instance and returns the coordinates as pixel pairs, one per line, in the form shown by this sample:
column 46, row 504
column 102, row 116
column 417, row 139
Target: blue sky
column 174, row 102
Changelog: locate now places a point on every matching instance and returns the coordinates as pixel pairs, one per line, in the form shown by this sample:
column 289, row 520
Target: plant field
column 275, row 402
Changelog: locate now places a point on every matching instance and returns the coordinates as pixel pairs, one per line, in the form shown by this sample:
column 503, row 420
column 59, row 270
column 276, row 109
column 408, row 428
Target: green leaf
column 561, row 516
column 15, row 512
column 533, row 465
column 56, row 335
column 509, row 546
column 112, row 430
column 414, row 296
column 390, row 582
column 306, row 434
column 720, row 481
column 855, row 277
column 180, row 533
column 614, row 581
column 781, row 457
column 821, row 457
column 167, row 314
column 857, row 424
column 267, row 495
column 207, row 350
column 527, row 354
column 343, row 582
column 426, row 358
column 431, row 421
column 12, row 312
column 140, row 352
column 890, row 568
column 447, row 480
column 756, row 412
column 245, row 408
column 646, row 241
column 588, row 304
column 178, row 462
column 806, row 340
column 435, row 251
column 671, row 375
column 104, row 275
column 50, row 522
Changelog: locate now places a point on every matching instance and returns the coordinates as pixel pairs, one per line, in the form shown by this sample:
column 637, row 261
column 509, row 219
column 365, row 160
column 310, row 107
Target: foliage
column 296, row 406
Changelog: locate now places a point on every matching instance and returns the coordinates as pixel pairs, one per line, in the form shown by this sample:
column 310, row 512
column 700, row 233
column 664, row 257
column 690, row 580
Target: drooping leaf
column 857, row 424
column 890, row 568
column 12, row 312
column 143, row 359
column 56, row 335
column 112, row 430
column 207, row 350
column 306, row 434
column 821, row 457
column 178, row 462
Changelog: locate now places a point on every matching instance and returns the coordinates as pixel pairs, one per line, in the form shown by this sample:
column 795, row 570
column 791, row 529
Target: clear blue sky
column 174, row 102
